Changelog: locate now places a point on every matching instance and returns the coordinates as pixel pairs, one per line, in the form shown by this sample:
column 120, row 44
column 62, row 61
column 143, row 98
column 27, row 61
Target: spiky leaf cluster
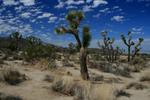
column 86, row 37
column 74, row 19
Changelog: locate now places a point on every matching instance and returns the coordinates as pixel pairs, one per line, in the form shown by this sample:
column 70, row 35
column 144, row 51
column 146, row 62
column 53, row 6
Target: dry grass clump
column 9, row 97
column 137, row 86
column 13, row 77
column 83, row 90
column 90, row 92
column 103, row 92
column 138, row 61
column 122, row 92
column 145, row 78
column 64, row 85
column 45, row 64
column 97, row 78
column 49, row 78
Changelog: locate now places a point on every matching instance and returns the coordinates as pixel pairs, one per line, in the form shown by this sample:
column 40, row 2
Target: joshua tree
column 107, row 47
column 129, row 43
column 74, row 19
column 137, row 47
column 16, row 37
column 110, row 52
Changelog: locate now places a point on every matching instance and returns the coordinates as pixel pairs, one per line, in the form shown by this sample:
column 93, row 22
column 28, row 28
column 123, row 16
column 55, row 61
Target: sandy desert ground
column 36, row 88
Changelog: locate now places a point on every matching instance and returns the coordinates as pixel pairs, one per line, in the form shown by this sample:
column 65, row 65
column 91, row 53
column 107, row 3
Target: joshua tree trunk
column 83, row 64
column 129, row 51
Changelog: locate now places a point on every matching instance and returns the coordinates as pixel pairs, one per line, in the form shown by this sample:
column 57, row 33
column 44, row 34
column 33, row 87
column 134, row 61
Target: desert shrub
column 52, row 64
column 97, row 78
column 35, row 49
column 66, row 63
column 72, row 48
column 138, row 61
column 13, row 77
column 113, row 80
column 98, row 57
column 46, row 64
column 82, row 90
column 89, row 92
column 121, row 92
column 137, row 86
column 115, row 69
column 64, row 85
column 145, row 77
column 9, row 97
column 49, row 78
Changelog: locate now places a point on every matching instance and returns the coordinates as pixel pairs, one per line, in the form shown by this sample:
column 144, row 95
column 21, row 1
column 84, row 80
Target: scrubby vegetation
column 12, row 77
column 9, row 97
column 83, row 90
column 145, row 77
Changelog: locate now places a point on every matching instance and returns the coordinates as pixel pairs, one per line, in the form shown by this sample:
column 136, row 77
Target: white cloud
column 62, row 3
column 97, row 15
column 10, row 2
column 118, row 18
column 88, row 1
column 75, row 2
column 28, row 2
column 104, row 10
column 45, row 15
column 137, row 30
column 26, row 15
column 87, row 8
column 14, row 2
column 7, row 28
column 71, row 7
column 96, row 3
column 52, row 19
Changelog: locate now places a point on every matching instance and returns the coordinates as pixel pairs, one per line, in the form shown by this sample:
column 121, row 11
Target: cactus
column 129, row 43
column 74, row 18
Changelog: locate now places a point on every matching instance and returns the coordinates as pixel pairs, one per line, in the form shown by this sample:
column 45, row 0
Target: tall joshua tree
column 110, row 53
column 74, row 19
column 16, row 37
column 129, row 43
column 137, row 47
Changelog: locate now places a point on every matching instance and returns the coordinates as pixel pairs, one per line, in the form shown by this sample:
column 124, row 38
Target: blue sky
column 40, row 17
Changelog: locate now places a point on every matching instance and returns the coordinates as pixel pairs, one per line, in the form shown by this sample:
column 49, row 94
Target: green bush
column 35, row 49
